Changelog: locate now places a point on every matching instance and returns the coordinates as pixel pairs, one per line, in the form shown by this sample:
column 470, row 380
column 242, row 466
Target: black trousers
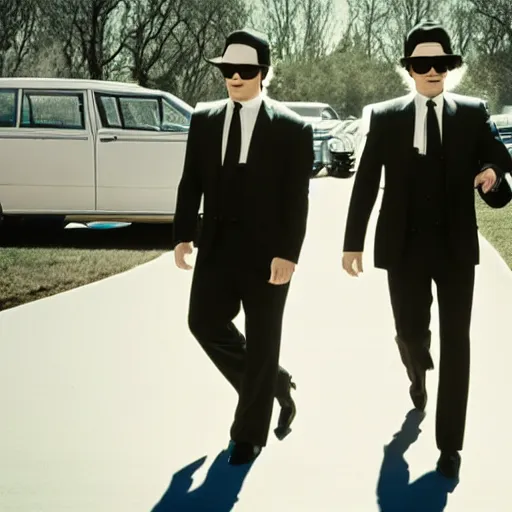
column 222, row 283
column 427, row 259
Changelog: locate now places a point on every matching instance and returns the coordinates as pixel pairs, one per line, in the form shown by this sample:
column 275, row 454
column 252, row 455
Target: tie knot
column 430, row 104
column 237, row 105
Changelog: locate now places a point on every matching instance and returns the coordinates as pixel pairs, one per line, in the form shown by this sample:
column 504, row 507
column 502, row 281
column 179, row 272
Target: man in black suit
column 435, row 147
column 250, row 159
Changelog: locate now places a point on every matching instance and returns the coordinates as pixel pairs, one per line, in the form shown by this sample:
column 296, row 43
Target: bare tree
column 18, row 26
column 297, row 29
column 368, row 20
column 463, row 24
column 155, row 27
column 380, row 26
column 404, row 15
column 408, row 13
column 92, row 33
column 280, row 20
column 500, row 11
column 318, row 31
column 182, row 68
column 495, row 19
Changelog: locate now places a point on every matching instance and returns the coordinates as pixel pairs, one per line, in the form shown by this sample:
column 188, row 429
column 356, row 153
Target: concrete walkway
column 105, row 397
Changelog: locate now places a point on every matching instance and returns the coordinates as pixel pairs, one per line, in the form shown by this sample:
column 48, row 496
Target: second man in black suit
column 435, row 148
column 250, row 159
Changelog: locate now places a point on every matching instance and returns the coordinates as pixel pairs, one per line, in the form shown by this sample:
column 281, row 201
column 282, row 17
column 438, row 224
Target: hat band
column 428, row 50
column 240, row 54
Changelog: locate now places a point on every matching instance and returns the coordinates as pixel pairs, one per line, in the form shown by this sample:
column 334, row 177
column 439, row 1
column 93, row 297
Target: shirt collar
column 422, row 100
column 254, row 103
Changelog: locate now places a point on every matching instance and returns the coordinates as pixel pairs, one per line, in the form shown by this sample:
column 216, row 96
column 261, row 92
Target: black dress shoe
column 449, row 464
column 243, row 453
column 288, row 409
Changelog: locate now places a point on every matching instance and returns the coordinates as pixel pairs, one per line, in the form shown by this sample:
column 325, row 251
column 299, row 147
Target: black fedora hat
column 429, row 39
column 244, row 47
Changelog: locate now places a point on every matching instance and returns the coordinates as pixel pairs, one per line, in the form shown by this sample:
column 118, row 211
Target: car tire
column 341, row 173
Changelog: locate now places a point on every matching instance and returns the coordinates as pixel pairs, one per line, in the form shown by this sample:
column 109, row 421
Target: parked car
column 341, row 146
column 90, row 150
column 504, row 126
column 503, row 123
column 323, row 119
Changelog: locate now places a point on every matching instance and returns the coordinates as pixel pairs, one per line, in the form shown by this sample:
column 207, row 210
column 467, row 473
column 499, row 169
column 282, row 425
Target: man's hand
column 179, row 255
column 487, row 179
column 353, row 263
column 281, row 271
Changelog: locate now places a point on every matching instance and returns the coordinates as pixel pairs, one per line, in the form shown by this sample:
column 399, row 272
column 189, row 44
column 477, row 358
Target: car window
column 113, row 118
column 52, row 110
column 305, row 111
column 327, row 114
column 140, row 113
column 8, row 101
column 174, row 120
column 153, row 113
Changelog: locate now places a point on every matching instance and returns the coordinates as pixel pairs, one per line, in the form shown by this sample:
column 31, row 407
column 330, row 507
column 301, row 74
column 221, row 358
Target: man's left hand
column 486, row 179
column 281, row 271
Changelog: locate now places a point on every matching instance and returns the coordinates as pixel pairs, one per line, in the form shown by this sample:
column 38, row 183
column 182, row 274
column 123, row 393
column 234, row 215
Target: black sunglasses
column 423, row 65
column 246, row 71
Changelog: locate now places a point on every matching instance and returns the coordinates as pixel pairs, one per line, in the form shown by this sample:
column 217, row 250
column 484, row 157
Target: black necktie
column 232, row 156
column 434, row 145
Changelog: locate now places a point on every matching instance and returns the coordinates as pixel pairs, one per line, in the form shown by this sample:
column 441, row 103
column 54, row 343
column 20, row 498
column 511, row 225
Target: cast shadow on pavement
column 218, row 493
column 395, row 493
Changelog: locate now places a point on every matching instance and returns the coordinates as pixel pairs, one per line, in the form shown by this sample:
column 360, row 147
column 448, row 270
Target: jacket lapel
column 217, row 116
column 449, row 119
column 408, row 121
column 260, row 136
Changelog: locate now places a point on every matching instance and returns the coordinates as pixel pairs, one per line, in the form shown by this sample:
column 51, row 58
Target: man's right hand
column 179, row 255
column 353, row 263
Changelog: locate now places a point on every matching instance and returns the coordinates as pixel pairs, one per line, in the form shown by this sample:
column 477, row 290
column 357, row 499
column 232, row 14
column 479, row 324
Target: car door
column 140, row 152
column 48, row 153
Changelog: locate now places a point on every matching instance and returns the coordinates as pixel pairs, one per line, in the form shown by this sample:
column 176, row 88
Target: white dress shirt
column 420, row 124
column 248, row 114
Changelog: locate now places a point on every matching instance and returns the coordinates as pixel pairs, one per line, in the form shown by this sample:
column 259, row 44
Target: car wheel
column 341, row 172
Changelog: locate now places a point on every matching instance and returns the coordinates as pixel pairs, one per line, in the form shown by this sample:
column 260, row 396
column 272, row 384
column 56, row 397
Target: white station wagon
column 90, row 150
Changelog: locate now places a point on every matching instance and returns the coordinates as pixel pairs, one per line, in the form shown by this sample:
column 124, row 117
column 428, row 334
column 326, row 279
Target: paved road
column 106, row 398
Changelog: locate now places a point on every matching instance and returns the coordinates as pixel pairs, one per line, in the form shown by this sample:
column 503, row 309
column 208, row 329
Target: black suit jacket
column 275, row 196
column 468, row 145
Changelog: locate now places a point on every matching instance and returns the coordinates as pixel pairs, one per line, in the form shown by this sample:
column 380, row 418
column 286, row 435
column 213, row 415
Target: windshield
column 306, row 111
column 322, row 111
column 502, row 120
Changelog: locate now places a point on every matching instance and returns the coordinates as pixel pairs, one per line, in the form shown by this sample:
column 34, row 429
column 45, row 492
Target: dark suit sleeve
column 365, row 190
column 190, row 189
column 493, row 153
column 295, row 201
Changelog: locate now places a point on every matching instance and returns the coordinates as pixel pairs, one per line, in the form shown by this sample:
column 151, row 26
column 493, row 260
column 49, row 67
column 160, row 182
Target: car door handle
column 108, row 139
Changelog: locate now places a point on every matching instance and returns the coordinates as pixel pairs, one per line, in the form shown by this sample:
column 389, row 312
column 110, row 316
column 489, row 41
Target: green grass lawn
column 34, row 266
column 496, row 226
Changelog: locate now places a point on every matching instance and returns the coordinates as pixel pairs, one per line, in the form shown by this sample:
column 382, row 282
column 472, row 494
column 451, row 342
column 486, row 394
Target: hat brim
column 454, row 60
column 215, row 61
